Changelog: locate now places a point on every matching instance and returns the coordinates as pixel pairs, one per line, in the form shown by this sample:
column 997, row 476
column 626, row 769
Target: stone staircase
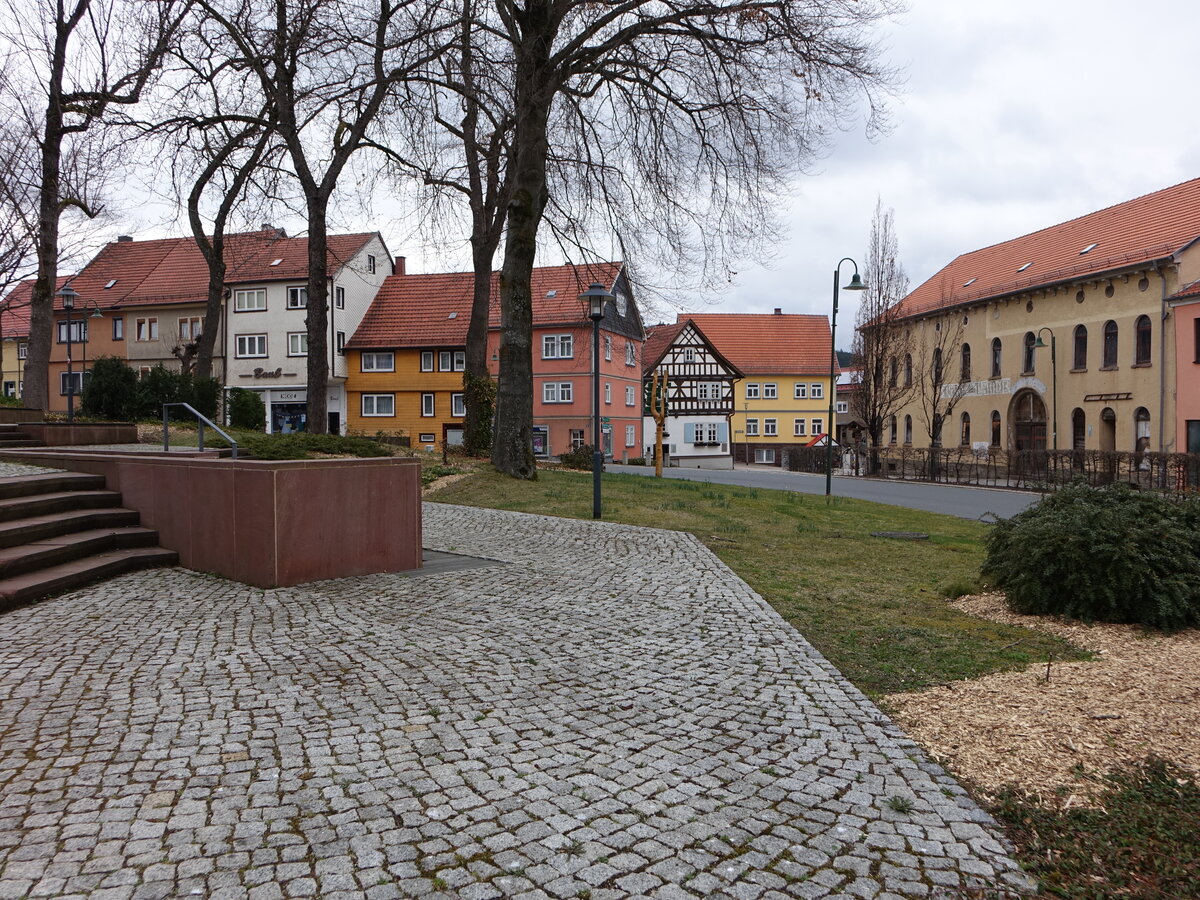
column 11, row 436
column 62, row 530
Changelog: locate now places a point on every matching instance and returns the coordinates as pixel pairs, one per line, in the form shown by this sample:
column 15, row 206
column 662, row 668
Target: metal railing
column 201, row 421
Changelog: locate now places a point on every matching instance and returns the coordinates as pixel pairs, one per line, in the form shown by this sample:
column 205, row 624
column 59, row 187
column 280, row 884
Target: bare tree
column 882, row 340
column 706, row 100
column 83, row 57
column 939, row 376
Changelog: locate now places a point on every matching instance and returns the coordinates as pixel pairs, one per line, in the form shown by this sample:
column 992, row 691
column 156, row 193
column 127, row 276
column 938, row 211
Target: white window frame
column 297, row 343
column 458, row 405
column 118, row 328
column 608, row 348
column 752, row 428
column 23, row 350
column 445, row 360
column 816, row 391
column 193, row 326
column 297, row 297
column 630, row 436
column 577, row 439
column 630, row 395
column 245, row 300
column 708, row 390
column 241, row 343
column 764, row 455
column 339, row 297
column 371, row 263
column 770, row 391
column 712, row 432
column 460, row 360
column 428, row 406
column 818, row 426
column 752, row 391
column 76, row 378
column 801, row 392
column 426, row 360
column 608, row 392
column 770, row 427
column 373, row 402
column 843, row 406
column 79, row 331
column 800, row 427
column 150, row 332
column 630, row 353
column 339, row 341
column 558, row 392
column 558, row 346
column 377, row 361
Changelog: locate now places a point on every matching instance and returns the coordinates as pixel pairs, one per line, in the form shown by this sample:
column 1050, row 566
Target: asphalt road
column 954, row 500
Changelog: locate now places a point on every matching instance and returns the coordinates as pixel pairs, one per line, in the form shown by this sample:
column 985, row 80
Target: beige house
column 1063, row 338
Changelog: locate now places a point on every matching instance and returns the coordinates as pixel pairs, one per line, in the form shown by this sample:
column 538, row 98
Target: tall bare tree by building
column 881, row 340
column 939, row 378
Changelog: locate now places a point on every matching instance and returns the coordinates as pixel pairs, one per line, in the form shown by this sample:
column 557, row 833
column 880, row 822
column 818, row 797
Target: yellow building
column 429, row 409
column 782, row 400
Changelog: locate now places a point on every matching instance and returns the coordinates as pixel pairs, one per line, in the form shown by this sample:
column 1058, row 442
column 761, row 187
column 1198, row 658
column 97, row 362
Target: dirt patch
column 1139, row 696
column 445, row 481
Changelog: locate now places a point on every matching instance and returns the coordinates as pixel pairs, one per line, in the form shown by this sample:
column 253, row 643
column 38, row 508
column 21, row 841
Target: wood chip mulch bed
column 1139, row 696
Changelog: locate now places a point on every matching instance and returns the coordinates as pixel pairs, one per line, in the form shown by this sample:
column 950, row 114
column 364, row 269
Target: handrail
column 202, row 421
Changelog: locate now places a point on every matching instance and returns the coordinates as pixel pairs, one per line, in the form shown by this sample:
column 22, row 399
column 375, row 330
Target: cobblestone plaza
column 602, row 712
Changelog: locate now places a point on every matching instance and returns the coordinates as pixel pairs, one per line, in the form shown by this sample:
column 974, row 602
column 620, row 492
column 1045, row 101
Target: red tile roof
column 14, row 309
column 770, row 344
column 1141, row 230
column 434, row 310
column 172, row 270
column 658, row 339
column 1187, row 292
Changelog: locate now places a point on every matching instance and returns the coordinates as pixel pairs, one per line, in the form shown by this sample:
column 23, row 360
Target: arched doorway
column 1028, row 417
column 1108, row 430
column 1078, row 429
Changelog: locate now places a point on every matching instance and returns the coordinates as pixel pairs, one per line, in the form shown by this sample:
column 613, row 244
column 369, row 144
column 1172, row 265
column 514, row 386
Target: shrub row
column 114, row 391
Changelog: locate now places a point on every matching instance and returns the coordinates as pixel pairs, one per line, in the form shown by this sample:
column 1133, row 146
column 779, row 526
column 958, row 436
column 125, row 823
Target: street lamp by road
column 595, row 297
column 1053, row 380
column 69, row 297
column 856, row 284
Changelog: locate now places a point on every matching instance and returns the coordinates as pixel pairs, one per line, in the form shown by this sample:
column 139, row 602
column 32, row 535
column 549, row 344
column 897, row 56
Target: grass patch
column 872, row 606
column 1144, row 841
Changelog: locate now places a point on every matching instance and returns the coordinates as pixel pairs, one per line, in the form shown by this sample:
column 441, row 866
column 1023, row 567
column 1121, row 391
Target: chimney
column 267, row 226
column 398, row 266
column 778, row 311
column 124, row 239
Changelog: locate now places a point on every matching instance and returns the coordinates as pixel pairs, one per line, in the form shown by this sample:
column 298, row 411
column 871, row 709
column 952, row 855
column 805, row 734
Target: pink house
column 1186, row 310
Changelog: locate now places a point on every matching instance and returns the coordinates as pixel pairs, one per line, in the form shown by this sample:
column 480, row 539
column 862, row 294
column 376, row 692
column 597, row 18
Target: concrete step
column 66, row 547
column 41, row 528
column 76, row 573
column 56, row 501
column 28, row 485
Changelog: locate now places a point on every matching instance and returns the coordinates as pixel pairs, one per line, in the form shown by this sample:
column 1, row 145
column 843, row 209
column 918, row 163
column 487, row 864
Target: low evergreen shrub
column 246, row 410
column 1102, row 554
column 580, row 458
column 111, row 391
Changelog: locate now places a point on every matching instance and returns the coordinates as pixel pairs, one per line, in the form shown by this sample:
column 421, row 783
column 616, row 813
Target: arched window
column 995, row 428
column 892, row 439
column 1141, row 341
column 995, row 357
column 908, row 429
column 894, row 376
column 907, row 369
column 1078, row 429
column 965, row 439
column 966, row 362
column 1109, row 360
column 1027, row 358
column 1141, row 428
column 937, row 365
column 1079, row 363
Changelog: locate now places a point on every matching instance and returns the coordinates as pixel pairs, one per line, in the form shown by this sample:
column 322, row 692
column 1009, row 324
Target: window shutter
column 689, row 433
column 723, row 432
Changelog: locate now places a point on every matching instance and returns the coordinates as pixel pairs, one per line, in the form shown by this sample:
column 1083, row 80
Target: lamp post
column 1053, row 380
column 69, row 297
column 595, row 297
column 856, row 284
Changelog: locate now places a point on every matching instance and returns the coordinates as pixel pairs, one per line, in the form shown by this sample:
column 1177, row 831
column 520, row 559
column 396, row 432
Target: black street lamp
column 1053, row 380
column 856, row 284
column 69, row 296
column 595, row 296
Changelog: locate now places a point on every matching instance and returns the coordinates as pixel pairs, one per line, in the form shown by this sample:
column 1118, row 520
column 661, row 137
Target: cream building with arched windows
column 1063, row 338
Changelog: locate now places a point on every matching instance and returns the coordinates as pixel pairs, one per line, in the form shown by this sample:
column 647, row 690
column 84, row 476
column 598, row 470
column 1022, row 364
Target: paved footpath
column 605, row 712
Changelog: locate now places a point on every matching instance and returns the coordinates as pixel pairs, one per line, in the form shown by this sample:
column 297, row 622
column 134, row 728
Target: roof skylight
column 276, row 262
column 110, row 284
column 1024, row 267
column 551, row 293
column 1088, row 248
column 452, row 315
column 969, row 282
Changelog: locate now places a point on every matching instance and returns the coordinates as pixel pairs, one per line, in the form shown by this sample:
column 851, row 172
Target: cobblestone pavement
column 610, row 714
column 13, row 470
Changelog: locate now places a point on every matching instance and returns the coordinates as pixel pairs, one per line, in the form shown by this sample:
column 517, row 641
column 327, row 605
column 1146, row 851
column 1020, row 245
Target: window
column 1027, row 360
column 894, row 372
column 371, row 263
column 118, row 325
column 1141, row 341
column 23, row 348
column 689, row 354
column 995, row 428
column 250, row 301
column 908, row 429
column 630, row 435
column 426, row 360
column 10, row 389
column 843, row 406
column 72, row 384
column 892, row 430
column 558, row 392
column 770, row 391
column 966, row 363
column 79, row 331
column 145, row 329
column 907, row 369
column 381, row 404
column 457, row 406
column 460, row 360
column 630, row 395
column 608, row 347
column 1109, row 360
column 189, row 328
column 1141, row 428
column 339, row 342
column 427, row 437
column 630, row 353
column 297, row 298
column 712, row 432
column 339, row 297
column 752, row 428
column 608, row 392
column 801, row 392
column 752, row 392
column 446, row 361
column 576, row 438
column 770, row 427
column 937, row 365
column 1079, row 361
column 800, row 427
column 558, row 346
column 764, row 455
column 965, row 434
column 816, row 391
column 297, row 343
column 250, row 346
column 378, row 362
column 427, row 405
column 818, row 426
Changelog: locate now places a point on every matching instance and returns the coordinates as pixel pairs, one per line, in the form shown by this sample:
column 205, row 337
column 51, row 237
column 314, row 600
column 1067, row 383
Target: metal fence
column 1173, row 473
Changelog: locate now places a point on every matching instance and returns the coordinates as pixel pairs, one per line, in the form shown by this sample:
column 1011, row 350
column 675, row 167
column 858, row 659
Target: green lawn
column 873, row 606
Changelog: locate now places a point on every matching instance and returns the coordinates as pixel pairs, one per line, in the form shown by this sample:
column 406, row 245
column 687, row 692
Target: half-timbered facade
column 700, row 396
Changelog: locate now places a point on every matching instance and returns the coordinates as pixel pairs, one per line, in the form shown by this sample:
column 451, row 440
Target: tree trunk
column 478, row 390
column 318, row 318
column 212, row 309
